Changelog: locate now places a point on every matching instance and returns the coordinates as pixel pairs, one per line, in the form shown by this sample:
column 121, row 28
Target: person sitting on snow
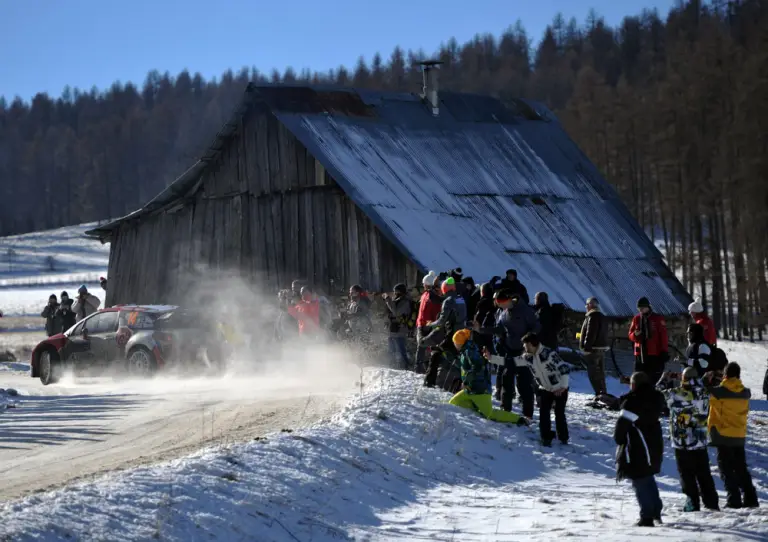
column 688, row 407
column 476, row 381
column 551, row 376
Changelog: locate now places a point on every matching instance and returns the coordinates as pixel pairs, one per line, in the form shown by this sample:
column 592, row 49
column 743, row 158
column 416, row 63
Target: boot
column 690, row 506
column 645, row 522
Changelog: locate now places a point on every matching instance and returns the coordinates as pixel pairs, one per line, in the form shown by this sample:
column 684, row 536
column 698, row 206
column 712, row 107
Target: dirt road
column 80, row 428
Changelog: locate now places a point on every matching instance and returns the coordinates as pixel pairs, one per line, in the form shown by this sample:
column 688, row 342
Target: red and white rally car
column 136, row 340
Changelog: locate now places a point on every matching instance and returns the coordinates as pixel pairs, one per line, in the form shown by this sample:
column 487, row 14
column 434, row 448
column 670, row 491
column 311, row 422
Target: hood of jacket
column 646, row 402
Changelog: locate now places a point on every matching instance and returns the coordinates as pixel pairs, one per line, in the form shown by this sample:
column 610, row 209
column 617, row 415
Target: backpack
column 717, row 359
column 558, row 315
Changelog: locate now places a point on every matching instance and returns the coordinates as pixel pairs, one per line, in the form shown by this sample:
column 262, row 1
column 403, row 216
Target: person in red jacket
column 429, row 309
column 649, row 333
column 700, row 317
column 307, row 312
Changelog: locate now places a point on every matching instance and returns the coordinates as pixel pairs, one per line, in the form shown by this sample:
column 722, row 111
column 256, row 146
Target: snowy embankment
column 36, row 265
column 397, row 463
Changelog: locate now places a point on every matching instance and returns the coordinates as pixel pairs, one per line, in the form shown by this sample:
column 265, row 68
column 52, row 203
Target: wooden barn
column 342, row 186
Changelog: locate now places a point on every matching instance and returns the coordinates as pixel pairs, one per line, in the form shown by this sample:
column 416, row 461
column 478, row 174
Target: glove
column 523, row 421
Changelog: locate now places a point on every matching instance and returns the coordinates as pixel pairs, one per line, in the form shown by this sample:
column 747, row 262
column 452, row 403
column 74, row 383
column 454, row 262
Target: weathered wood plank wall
column 266, row 208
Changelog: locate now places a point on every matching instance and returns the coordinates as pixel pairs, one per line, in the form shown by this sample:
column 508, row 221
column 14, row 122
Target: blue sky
column 48, row 44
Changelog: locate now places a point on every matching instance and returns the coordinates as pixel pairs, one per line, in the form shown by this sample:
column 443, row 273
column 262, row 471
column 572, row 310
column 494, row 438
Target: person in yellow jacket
column 727, row 425
column 476, row 380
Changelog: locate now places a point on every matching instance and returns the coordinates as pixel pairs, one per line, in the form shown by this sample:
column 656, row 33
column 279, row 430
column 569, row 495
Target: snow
column 35, row 265
column 398, row 463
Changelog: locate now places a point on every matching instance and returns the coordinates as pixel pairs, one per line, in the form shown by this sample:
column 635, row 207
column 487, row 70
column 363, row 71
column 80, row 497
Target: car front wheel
column 48, row 368
column 141, row 363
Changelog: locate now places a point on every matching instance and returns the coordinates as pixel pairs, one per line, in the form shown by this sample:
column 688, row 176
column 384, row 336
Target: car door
column 104, row 337
column 78, row 347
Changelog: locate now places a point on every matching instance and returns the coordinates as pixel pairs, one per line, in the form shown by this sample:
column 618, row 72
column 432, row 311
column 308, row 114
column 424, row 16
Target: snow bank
column 397, row 463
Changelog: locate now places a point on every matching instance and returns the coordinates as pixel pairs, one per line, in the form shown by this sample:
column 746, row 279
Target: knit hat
column 400, row 288
column 83, row 289
column 461, row 337
column 429, row 279
column 448, row 285
column 696, row 306
column 643, row 303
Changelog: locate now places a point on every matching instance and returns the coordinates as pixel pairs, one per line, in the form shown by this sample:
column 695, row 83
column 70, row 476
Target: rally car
column 136, row 340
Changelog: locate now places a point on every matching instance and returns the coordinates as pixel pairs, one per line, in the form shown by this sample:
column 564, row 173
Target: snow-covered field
column 36, row 265
column 397, row 463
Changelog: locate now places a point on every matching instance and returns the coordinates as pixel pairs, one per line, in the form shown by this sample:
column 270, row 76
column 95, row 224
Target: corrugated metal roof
column 488, row 188
column 481, row 186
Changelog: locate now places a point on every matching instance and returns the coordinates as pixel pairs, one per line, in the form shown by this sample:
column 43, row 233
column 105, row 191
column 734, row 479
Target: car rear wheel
column 141, row 363
column 49, row 368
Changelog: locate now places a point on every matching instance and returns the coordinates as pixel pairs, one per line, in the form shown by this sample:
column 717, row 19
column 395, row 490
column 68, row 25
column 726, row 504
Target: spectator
column 688, row 406
column 511, row 284
column 399, row 309
column 64, row 314
column 641, row 445
column 727, row 423
column 476, row 382
column 471, row 297
column 551, row 375
column 103, row 283
column 698, row 353
column 513, row 321
column 443, row 366
column 359, row 310
column 593, row 342
column 307, row 313
column 52, row 325
column 550, row 320
column 484, row 319
column 429, row 309
column 649, row 333
column 86, row 303
column 699, row 316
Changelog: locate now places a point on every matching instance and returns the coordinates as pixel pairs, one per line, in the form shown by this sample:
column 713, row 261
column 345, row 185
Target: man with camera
column 85, row 303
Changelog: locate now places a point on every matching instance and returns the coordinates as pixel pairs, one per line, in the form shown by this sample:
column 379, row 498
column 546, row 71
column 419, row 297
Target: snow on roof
column 472, row 191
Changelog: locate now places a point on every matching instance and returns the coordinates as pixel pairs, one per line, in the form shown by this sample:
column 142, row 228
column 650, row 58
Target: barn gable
column 480, row 186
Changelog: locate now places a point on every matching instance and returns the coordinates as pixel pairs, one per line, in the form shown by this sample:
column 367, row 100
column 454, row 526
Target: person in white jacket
column 85, row 303
column 551, row 375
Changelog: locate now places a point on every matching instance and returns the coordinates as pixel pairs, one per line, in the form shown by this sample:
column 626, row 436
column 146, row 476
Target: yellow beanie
column 461, row 337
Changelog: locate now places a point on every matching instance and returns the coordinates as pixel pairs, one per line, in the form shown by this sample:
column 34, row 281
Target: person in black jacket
column 511, row 284
column 64, row 314
column 593, row 342
column 549, row 319
column 484, row 318
column 641, row 445
column 471, row 297
column 52, row 326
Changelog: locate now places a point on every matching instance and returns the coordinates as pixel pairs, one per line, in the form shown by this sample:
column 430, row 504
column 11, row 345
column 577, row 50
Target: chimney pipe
column 429, row 69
